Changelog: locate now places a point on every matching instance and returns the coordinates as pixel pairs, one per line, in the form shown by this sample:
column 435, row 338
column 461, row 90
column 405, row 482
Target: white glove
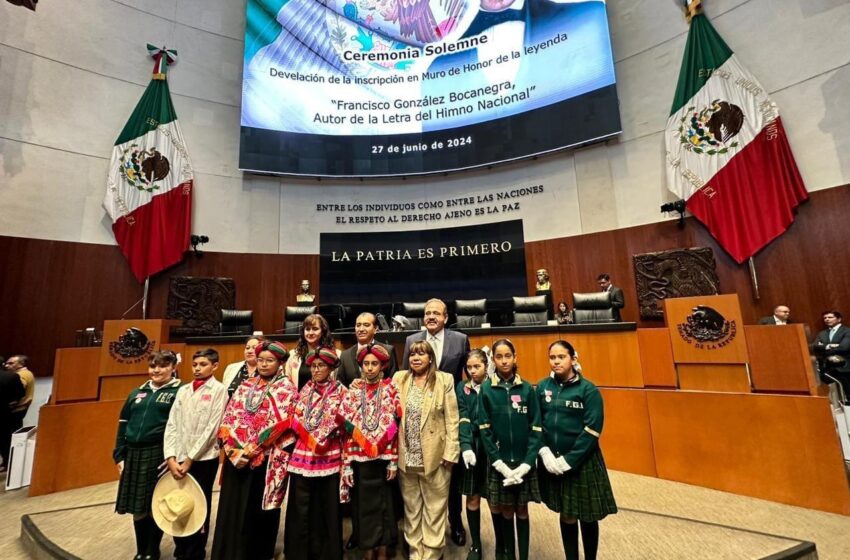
column 517, row 475
column 563, row 464
column 469, row 458
column 503, row 469
column 550, row 462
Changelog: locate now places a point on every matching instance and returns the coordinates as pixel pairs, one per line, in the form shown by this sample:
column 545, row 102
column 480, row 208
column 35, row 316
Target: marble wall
column 71, row 74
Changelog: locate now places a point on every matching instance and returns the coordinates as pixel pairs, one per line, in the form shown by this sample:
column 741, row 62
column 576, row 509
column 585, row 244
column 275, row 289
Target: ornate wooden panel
column 198, row 302
column 675, row 273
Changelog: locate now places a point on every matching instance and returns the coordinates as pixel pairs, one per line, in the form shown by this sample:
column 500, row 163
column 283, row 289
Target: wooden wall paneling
column 74, row 446
column 75, row 374
column 776, row 447
column 117, row 387
column 656, row 357
column 626, row 436
column 609, row 359
column 779, row 359
column 725, row 378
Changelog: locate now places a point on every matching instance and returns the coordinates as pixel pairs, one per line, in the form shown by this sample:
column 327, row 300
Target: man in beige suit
column 427, row 450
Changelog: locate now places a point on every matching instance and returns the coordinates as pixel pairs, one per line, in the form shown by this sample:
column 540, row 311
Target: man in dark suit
column 832, row 348
column 617, row 298
column 781, row 316
column 364, row 329
column 451, row 349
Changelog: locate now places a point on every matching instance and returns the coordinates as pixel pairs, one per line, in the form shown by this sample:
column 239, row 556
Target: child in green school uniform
column 509, row 423
column 574, row 481
column 138, row 449
column 474, row 482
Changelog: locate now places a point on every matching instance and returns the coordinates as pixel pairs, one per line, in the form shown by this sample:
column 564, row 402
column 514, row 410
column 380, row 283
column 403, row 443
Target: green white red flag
column 728, row 155
column 149, row 188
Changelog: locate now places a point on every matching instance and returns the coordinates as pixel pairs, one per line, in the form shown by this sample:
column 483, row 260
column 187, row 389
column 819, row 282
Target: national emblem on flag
column 149, row 188
column 727, row 153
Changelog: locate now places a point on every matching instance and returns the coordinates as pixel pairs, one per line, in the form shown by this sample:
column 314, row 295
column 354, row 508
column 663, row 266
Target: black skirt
column 584, row 492
column 373, row 518
column 474, row 481
column 141, row 473
column 313, row 523
column 243, row 529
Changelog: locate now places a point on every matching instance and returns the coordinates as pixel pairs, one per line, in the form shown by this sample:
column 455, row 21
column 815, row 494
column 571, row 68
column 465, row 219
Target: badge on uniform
column 548, row 394
column 517, row 399
column 206, row 397
column 140, row 396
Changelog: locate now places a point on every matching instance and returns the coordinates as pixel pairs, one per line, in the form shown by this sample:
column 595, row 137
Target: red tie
column 197, row 383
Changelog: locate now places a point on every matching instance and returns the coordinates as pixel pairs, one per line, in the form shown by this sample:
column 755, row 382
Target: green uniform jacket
column 572, row 417
column 509, row 420
column 467, row 406
column 144, row 417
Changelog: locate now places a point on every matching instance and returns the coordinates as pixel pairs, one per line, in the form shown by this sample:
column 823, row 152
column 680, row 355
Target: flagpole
column 145, row 297
column 753, row 278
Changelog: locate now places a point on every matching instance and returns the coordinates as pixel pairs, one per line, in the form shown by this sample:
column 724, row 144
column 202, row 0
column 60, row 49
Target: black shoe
column 350, row 544
column 459, row 536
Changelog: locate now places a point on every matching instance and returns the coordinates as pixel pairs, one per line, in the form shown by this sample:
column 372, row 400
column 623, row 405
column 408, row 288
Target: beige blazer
column 439, row 426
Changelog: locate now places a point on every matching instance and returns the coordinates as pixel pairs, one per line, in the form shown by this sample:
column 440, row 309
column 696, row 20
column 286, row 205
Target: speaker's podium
column 709, row 343
column 77, row 426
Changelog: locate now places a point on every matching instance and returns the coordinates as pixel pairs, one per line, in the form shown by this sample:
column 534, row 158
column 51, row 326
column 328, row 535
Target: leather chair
column 470, row 313
column 236, row 321
column 294, row 315
column 414, row 313
column 530, row 310
column 593, row 307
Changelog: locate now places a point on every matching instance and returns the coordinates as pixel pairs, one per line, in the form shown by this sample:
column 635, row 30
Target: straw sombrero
column 179, row 507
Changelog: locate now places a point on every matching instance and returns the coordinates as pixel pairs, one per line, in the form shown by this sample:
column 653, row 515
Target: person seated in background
column 562, row 314
column 618, row 301
column 832, row 348
column 781, row 316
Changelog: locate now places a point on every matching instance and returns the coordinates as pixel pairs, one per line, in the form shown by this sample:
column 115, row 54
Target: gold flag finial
column 692, row 8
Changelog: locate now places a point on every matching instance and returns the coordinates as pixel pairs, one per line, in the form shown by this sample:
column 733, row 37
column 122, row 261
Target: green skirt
column 516, row 495
column 474, row 482
column 584, row 493
column 141, row 473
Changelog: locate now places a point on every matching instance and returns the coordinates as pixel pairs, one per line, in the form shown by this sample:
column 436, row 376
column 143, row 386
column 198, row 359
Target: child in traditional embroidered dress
column 509, row 420
column 474, row 484
column 255, row 436
column 370, row 411
column 313, row 523
column 574, row 481
column 190, row 444
column 138, row 449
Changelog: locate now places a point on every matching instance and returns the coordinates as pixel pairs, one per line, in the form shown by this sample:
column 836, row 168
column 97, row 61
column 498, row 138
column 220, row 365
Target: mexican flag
column 727, row 153
column 149, row 188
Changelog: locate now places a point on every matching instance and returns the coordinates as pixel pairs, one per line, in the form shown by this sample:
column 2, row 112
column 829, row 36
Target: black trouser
column 194, row 546
column 313, row 525
column 456, row 498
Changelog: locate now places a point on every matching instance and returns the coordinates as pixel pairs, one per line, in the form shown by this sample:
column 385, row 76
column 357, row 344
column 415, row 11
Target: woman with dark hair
column 237, row 372
column 370, row 411
column 139, row 451
column 574, row 481
column 315, row 332
column 254, row 436
column 428, row 449
column 509, row 420
column 474, row 483
column 562, row 314
column 313, row 523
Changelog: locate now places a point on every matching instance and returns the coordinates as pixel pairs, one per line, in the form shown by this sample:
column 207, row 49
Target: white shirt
column 194, row 420
column 441, row 338
column 779, row 321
